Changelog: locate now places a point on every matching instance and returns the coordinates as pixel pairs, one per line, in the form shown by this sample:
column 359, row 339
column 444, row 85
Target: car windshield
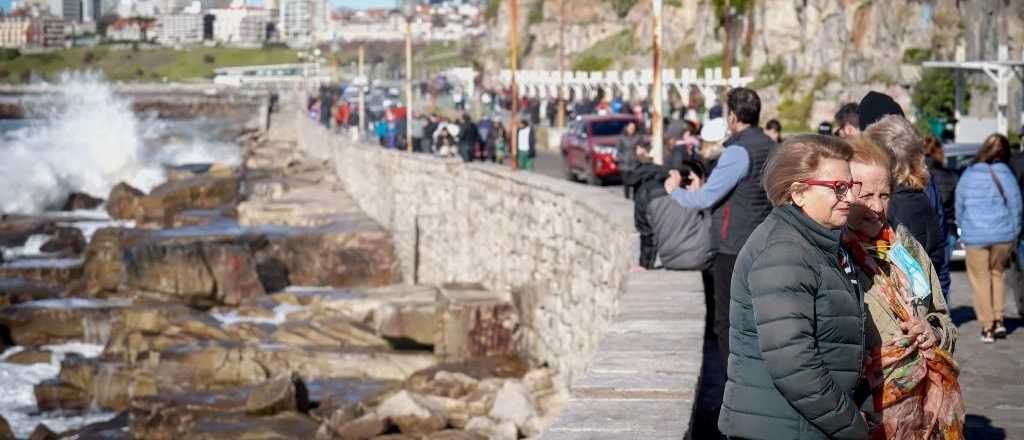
column 612, row 127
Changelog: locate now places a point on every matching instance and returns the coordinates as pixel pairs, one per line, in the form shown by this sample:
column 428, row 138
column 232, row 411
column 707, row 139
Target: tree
column 726, row 11
column 934, row 95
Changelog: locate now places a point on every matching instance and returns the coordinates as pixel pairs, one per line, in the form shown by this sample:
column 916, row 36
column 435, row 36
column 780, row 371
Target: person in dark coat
column 796, row 318
column 915, row 202
column 627, row 159
column 469, row 138
column 945, row 180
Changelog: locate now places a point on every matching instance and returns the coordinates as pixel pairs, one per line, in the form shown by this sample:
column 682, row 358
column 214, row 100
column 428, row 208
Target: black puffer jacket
column 796, row 337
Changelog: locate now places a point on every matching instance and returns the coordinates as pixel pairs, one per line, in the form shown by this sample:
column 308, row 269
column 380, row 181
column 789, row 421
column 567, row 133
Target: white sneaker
column 999, row 331
column 986, row 337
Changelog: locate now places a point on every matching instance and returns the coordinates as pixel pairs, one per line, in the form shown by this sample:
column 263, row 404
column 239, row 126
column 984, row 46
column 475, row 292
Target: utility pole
column 362, row 93
column 514, row 54
column 727, row 57
column 561, row 64
column 408, row 84
column 657, row 142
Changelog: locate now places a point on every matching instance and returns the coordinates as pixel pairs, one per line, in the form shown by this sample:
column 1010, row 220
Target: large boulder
column 327, row 331
column 286, row 392
column 356, row 254
column 476, row 323
column 174, row 423
column 55, row 321
column 413, row 414
column 5, row 430
column 49, row 271
column 66, row 241
column 125, row 202
column 104, row 269
column 194, row 271
column 199, row 192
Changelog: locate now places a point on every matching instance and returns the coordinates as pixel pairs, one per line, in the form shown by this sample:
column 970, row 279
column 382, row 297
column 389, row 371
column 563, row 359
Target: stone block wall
column 563, row 248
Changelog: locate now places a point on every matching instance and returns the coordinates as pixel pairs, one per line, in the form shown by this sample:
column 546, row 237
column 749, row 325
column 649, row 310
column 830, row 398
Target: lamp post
column 409, row 11
column 657, row 139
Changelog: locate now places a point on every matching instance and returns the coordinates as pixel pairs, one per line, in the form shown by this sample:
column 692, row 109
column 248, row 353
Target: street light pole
column 656, row 122
column 561, row 64
column 409, row 9
column 362, row 93
column 514, row 55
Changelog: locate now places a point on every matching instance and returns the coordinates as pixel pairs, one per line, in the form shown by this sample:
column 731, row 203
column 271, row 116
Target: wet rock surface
column 260, row 303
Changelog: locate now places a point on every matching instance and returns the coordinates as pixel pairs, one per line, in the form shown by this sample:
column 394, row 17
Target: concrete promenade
column 641, row 383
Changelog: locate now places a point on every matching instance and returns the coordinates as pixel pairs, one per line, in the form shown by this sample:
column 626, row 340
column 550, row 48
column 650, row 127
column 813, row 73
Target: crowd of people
column 825, row 260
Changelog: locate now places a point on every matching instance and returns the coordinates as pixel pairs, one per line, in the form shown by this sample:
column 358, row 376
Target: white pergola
column 1000, row 71
column 544, row 84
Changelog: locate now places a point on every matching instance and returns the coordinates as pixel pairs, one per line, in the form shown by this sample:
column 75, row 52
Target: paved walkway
column 990, row 374
column 642, row 381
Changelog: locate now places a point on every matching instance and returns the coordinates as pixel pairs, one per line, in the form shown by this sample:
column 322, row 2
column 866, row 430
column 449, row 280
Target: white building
column 295, row 22
column 240, row 24
column 14, row 32
column 179, row 29
column 125, row 29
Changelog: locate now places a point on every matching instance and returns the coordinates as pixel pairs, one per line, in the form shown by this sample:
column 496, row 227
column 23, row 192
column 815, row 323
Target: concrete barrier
column 566, row 251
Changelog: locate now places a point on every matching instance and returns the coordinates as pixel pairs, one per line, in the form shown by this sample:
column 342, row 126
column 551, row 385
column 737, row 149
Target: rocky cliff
column 808, row 55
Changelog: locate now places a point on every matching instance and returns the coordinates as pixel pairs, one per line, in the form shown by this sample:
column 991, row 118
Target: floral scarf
column 916, row 392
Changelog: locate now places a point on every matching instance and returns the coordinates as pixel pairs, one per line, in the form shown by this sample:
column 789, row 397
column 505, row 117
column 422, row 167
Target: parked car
column 590, row 147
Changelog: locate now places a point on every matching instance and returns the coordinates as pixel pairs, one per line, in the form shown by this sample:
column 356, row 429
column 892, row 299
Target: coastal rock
column 5, row 430
column 365, row 427
column 413, row 414
column 15, row 231
column 194, row 271
column 17, row 291
column 104, row 269
column 179, row 423
column 81, row 201
column 30, row 356
column 286, row 392
column 49, row 271
column 66, row 241
column 337, row 256
column 37, row 323
column 125, row 202
column 512, row 404
column 200, row 192
column 454, row 434
column 52, row 395
column 42, row 432
column 476, row 323
column 235, row 272
column 326, row 331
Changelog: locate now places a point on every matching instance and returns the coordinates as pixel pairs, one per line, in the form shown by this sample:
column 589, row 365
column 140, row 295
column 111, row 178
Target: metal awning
column 1000, row 71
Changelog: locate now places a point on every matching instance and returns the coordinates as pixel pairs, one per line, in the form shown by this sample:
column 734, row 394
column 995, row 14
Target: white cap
column 691, row 115
column 714, row 130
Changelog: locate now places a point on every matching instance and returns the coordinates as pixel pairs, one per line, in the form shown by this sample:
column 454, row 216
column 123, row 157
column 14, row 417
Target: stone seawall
column 565, row 250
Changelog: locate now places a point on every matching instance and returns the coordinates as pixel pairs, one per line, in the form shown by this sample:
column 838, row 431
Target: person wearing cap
column 735, row 195
column 916, row 202
column 847, row 125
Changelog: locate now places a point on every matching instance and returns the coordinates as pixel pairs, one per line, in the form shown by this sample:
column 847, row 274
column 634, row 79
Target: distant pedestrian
column 945, row 181
column 773, row 129
column 627, row 160
column 469, row 138
column 526, row 145
column 988, row 210
column 498, row 141
column 847, row 124
column 445, row 143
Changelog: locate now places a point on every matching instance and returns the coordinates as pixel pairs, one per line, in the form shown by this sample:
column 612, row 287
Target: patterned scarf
column 916, row 392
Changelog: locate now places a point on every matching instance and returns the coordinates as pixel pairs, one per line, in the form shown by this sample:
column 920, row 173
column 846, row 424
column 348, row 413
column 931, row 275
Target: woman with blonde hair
column 911, row 205
column 907, row 320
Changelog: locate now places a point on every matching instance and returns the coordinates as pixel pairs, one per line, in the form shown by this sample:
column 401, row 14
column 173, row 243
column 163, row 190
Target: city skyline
column 5, row 5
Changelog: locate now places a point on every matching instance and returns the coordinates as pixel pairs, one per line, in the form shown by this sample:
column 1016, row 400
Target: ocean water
column 89, row 140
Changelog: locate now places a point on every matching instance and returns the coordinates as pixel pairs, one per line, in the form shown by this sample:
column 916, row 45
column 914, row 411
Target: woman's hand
column 673, row 181
column 919, row 333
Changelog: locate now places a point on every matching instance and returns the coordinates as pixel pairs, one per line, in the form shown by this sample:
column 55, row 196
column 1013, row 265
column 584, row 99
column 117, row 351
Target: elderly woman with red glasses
column 912, row 390
column 797, row 315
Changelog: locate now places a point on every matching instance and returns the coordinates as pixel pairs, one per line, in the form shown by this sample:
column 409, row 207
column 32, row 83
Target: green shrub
column 9, row 54
column 934, row 96
column 592, row 63
column 536, row 13
column 769, row 74
column 916, row 55
column 710, row 62
column 209, row 59
column 622, row 7
column 795, row 112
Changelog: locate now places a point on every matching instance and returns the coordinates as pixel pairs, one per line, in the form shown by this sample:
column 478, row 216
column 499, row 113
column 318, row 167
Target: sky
column 6, row 4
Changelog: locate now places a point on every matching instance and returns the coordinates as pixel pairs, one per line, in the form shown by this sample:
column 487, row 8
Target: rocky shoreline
column 260, row 302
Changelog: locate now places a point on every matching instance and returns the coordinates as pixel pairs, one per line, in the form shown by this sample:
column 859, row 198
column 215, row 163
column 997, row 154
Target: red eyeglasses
column 840, row 187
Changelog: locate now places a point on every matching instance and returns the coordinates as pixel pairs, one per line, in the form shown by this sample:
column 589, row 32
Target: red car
column 590, row 147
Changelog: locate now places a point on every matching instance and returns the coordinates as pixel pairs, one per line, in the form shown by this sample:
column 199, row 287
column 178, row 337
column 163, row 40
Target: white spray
column 88, row 142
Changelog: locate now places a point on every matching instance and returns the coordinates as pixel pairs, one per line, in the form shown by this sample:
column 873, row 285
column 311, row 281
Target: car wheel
column 593, row 179
column 570, row 175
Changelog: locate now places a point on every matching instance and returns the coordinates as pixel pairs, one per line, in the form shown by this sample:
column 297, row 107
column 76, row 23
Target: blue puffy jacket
column 984, row 216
